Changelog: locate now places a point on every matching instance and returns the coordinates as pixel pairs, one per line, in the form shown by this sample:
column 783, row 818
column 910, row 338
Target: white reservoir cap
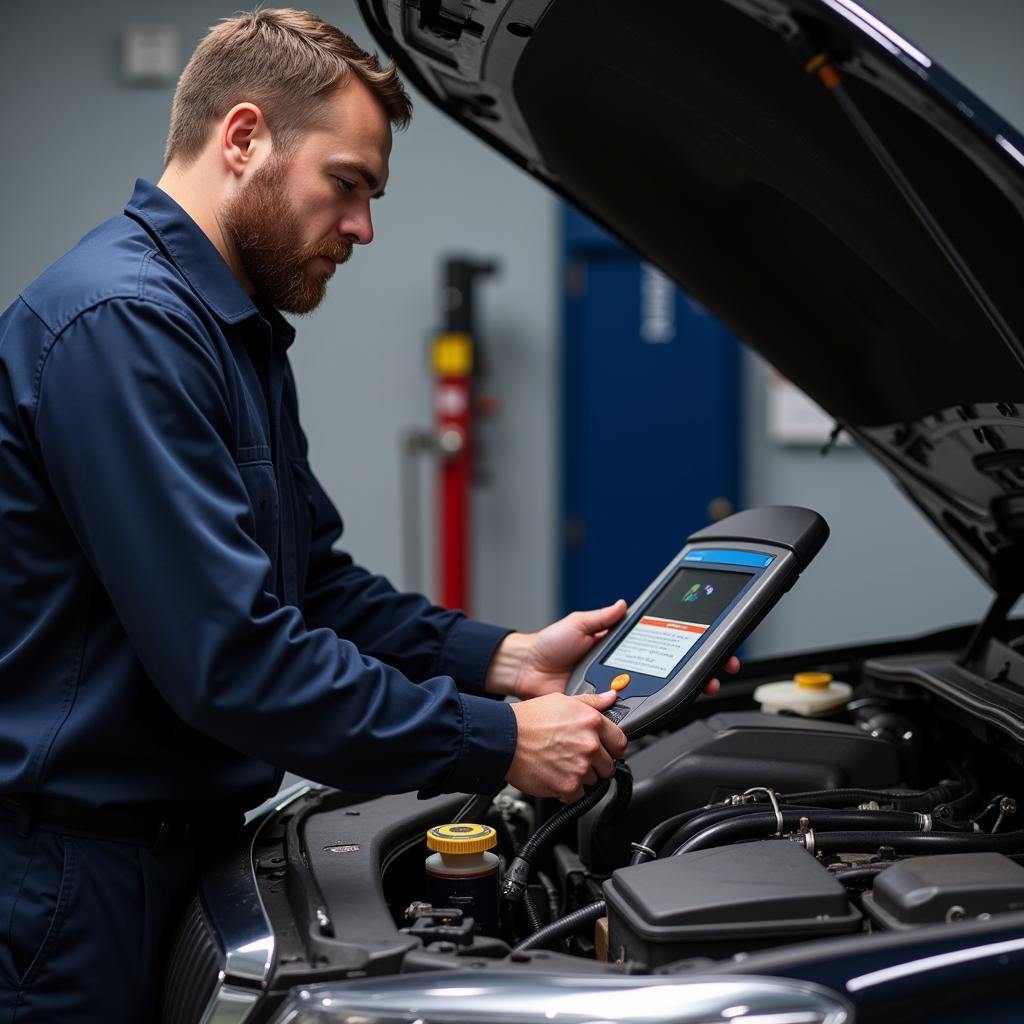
column 807, row 693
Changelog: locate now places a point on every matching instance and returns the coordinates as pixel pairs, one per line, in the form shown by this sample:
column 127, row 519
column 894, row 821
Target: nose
column 357, row 225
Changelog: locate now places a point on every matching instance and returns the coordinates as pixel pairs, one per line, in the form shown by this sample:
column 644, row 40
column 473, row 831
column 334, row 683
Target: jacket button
column 262, row 502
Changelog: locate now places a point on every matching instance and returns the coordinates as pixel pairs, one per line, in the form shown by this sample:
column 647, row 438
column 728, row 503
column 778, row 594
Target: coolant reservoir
column 807, row 693
column 463, row 873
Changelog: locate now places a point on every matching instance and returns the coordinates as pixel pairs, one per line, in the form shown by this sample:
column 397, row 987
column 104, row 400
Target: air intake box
column 949, row 887
column 724, row 901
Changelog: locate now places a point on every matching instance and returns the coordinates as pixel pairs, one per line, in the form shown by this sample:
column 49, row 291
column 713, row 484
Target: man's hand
column 534, row 664
column 563, row 744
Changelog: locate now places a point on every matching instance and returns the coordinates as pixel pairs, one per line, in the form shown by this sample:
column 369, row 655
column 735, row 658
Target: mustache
column 337, row 251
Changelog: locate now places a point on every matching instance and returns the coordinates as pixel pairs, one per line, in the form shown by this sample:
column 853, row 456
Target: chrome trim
column 233, row 905
column 230, row 1005
column 933, row 964
column 461, row 997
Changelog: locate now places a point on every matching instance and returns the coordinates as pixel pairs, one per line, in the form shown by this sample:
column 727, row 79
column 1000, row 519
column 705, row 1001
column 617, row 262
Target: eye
column 344, row 186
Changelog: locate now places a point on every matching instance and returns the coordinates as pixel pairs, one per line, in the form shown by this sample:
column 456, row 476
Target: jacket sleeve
column 134, row 431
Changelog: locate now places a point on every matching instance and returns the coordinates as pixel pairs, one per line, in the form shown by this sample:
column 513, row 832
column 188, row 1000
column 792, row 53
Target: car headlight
column 498, row 998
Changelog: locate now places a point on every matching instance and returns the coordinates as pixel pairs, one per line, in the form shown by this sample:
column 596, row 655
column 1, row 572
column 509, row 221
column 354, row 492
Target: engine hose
column 917, row 842
column 675, row 827
column 713, row 815
column 862, row 874
column 647, row 848
column 562, row 927
column 909, row 800
column 513, row 886
column 763, row 826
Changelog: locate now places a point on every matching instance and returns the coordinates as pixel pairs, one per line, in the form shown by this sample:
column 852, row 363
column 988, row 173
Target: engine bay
column 735, row 841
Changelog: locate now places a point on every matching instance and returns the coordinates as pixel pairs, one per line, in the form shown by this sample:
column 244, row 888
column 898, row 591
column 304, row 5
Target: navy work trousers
column 85, row 926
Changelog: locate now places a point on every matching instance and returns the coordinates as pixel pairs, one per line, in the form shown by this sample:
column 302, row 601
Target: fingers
column 601, row 701
column 613, row 739
column 713, row 686
column 732, row 666
column 564, row 743
column 603, row 767
column 600, row 618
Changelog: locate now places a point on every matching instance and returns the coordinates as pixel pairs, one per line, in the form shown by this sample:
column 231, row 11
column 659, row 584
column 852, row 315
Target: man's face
column 297, row 218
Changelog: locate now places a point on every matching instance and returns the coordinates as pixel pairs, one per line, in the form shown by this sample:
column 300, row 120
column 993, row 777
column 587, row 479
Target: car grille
column 193, row 968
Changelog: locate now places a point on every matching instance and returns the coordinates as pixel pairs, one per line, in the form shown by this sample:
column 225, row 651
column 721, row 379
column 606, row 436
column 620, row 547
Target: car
column 855, row 215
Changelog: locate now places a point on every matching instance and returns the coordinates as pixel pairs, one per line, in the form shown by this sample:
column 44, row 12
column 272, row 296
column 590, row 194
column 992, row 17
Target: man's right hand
column 564, row 743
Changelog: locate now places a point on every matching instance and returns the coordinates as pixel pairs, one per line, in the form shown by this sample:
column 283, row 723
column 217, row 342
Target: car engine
column 737, row 841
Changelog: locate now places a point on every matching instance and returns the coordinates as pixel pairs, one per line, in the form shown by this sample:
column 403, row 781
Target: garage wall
column 75, row 138
column 885, row 571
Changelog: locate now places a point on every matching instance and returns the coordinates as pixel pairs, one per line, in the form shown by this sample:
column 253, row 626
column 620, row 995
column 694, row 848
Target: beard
column 267, row 235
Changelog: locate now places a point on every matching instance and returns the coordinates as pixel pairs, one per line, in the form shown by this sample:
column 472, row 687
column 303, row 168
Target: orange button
column 620, row 682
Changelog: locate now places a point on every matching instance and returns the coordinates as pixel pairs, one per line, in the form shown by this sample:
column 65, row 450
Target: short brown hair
column 284, row 61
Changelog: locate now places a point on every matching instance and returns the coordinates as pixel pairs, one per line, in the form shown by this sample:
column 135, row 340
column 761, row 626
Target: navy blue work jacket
column 176, row 624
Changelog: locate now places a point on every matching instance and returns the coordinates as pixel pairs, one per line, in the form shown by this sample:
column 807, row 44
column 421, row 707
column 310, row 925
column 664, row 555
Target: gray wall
column 75, row 138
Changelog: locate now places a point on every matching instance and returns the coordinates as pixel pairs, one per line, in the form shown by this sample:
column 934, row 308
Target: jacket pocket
column 41, row 905
column 257, row 472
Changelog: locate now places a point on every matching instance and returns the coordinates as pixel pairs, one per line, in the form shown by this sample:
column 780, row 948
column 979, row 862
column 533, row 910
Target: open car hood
column 845, row 206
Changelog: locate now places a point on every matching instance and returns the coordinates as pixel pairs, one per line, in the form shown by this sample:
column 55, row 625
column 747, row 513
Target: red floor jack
column 456, row 366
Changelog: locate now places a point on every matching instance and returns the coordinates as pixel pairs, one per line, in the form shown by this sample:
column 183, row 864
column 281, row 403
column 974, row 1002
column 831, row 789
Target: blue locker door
column 651, row 406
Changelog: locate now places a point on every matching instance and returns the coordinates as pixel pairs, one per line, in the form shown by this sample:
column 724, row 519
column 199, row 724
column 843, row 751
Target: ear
column 243, row 137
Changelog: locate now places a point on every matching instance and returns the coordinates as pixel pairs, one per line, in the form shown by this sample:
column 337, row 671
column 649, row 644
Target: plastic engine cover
column 723, row 901
column 949, row 887
column 714, row 757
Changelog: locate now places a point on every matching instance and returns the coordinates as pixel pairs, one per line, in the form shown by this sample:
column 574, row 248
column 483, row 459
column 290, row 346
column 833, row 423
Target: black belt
column 156, row 826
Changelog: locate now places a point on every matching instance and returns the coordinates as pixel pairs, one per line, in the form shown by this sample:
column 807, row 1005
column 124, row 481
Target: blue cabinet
column 651, row 418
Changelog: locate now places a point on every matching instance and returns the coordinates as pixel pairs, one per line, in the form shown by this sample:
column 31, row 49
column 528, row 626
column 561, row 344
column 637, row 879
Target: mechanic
column 177, row 627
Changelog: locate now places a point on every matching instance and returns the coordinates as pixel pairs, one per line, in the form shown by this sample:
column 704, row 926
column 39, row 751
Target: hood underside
column 860, row 225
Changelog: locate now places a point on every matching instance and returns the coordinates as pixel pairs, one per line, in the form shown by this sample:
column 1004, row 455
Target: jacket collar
column 191, row 252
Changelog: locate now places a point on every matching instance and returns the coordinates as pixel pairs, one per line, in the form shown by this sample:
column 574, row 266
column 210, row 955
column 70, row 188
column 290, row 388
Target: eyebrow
column 362, row 170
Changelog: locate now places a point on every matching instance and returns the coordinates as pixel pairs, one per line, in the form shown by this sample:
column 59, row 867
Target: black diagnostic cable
column 513, row 887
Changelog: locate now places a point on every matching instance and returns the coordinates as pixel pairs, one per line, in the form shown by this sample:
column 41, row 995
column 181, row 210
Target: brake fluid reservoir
column 807, row 693
column 463, row 873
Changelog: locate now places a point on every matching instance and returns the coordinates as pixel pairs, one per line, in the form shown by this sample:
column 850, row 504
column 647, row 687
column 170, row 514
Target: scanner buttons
column 620, row 682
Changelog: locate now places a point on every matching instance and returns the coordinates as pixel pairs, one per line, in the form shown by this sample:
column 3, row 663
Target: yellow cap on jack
column 461, row 837
column 813, row 680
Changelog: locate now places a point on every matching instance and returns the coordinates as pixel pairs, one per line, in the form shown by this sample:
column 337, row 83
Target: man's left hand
column 533, row 664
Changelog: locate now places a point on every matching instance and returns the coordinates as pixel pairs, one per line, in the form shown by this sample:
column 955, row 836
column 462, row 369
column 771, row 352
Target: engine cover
column 723, row 901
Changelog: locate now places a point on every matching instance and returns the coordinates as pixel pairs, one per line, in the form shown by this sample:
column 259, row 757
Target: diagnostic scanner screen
column 675, row 620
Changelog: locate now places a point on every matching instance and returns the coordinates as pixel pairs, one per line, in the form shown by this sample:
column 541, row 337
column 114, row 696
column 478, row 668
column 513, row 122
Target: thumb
column 601, row 618
column 601, row 701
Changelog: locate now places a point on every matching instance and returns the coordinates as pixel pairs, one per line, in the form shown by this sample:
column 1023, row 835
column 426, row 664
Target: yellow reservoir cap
column 461, row 837
column 813, row 680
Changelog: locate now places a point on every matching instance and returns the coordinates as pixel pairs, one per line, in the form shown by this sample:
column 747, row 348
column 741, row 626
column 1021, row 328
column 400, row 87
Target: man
column 176, row 626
